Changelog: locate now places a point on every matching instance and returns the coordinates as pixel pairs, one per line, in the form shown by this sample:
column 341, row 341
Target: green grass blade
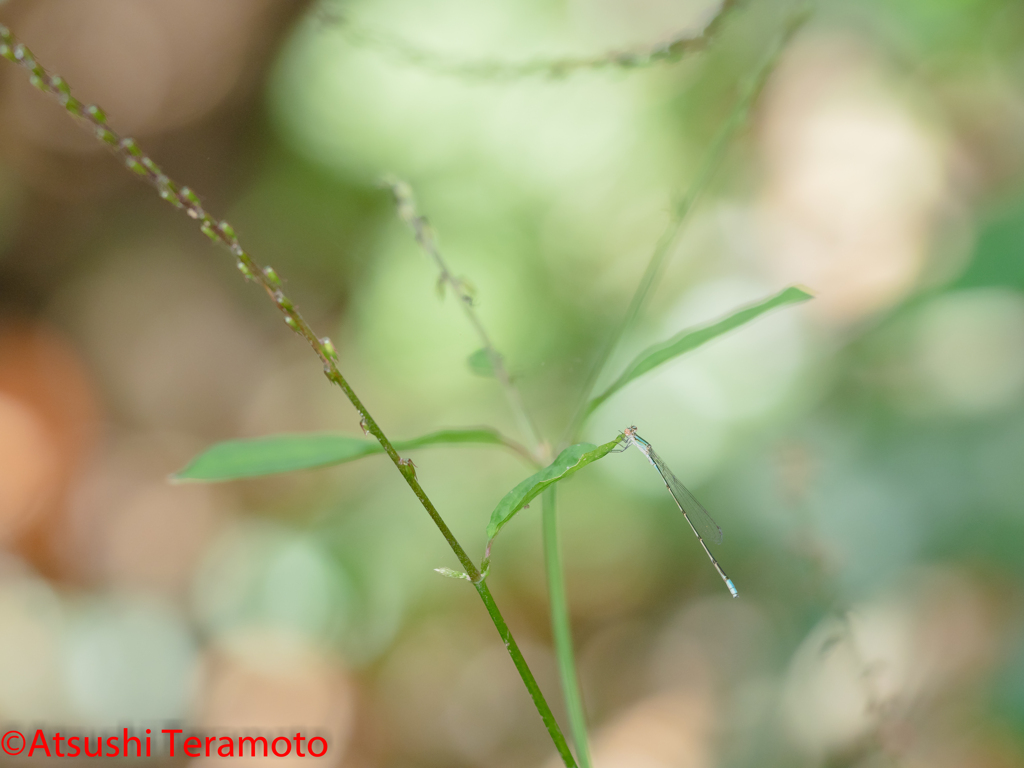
column 573, row 458
column 235, row 459
column 690, row 339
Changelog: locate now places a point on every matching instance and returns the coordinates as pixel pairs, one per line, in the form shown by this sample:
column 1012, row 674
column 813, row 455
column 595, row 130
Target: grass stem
column 524, row 672
column 561, row 628
column 224, row 234
column 405, row 201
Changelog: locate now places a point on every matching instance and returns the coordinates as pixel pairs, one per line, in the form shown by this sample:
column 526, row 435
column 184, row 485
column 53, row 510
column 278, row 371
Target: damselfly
column 700, row 521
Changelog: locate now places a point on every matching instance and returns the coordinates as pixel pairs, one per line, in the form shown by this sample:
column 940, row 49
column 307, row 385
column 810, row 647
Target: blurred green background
column 864, row 452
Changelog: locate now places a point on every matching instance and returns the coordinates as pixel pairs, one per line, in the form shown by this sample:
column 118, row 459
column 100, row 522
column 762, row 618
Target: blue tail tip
column 732, row 588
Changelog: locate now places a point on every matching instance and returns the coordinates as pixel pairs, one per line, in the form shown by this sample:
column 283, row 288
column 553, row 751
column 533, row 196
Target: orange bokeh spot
column 48, row 420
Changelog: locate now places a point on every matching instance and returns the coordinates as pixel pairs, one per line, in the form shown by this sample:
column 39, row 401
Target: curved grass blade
column 573, row 458
column 690, row 339
column 235, row 459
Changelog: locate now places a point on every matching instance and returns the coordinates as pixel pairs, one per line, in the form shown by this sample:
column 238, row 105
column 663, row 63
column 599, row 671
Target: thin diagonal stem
column 663, row 248
column 266, row 278
column 406, row 204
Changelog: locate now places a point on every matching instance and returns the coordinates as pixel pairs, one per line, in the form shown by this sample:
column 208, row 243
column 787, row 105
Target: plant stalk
column 222, row 232
column 524, row 671
column 406, row 203
column 561, row 628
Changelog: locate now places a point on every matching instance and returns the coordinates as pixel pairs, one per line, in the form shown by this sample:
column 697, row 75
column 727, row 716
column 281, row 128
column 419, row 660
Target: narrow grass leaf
column 573, row 458
column 234, row 459
column 690, row 339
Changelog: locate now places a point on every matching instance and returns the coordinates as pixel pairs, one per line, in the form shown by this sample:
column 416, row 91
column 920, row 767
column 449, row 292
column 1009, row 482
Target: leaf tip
column 807, row 292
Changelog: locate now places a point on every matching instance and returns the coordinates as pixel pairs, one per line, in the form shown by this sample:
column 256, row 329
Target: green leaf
column 480, row 363
column 271, row 455
column 570, row 460
column 690, row 339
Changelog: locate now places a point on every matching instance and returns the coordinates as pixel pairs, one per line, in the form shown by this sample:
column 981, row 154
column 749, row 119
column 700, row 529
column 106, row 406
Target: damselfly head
column 628, row 439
